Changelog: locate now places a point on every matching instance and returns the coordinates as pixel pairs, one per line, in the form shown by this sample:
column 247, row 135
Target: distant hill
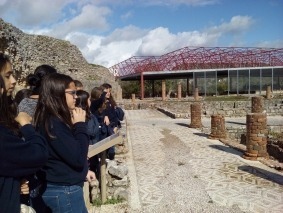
column 29, row 51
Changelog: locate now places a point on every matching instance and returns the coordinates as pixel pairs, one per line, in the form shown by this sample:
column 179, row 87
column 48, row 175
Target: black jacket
column 18, row 158
column 67, row 162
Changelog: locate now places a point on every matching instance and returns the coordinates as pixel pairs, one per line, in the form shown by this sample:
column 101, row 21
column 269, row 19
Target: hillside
column 28, row 51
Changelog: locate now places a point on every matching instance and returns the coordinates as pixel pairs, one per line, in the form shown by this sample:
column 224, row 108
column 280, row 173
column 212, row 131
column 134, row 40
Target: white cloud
column 130, row 41
column 160, row 41
column 275, row 44
column 127, row 33
column 237, row 24
column 127, row 15
column 32, row 13
column 179, row 2
column 82, row 21
column 90, row 19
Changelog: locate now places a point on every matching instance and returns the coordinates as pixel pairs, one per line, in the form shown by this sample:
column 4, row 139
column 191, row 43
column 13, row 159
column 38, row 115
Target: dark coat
column 18, row 158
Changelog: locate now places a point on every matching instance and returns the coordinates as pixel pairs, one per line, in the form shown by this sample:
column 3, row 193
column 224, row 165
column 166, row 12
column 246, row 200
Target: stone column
column 256, row 136
column 195, row 116
column 163, row 90
column 218, row 130
column 133, row 98
column 119, row 94
column 196, row 97
column 142, row 86
column 257, row 104
column 268, row 92
column 179, row 91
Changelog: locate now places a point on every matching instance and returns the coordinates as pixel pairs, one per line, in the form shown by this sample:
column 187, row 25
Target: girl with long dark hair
column 83, row 101
column 19, row 157
column 64, row 127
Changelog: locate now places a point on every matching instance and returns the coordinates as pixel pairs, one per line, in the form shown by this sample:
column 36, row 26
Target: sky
column 108, row 32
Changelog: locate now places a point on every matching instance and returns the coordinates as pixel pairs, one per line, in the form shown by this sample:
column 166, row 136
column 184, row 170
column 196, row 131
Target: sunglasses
column 73, row 92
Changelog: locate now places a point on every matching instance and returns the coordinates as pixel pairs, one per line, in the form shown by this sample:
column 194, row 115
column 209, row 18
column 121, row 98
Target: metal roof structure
column 194, row 58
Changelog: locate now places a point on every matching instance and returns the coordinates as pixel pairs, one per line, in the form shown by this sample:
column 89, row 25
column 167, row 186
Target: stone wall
column 181, row 109
column 29, row 51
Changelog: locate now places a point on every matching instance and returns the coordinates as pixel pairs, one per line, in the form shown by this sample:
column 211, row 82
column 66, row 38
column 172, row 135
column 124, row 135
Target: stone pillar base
column 195, row 116
column 218, row 129
column 256, row 137
column 249, row 156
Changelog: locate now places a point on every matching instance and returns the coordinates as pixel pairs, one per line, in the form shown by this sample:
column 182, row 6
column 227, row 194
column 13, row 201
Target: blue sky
column 110, row 31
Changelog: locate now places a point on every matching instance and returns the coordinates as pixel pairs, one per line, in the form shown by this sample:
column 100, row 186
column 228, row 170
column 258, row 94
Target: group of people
column 45, row 132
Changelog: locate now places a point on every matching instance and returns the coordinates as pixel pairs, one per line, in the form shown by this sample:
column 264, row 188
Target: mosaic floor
column 229, row 179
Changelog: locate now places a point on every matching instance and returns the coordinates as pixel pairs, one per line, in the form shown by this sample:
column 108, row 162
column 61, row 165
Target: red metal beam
column 201, row 58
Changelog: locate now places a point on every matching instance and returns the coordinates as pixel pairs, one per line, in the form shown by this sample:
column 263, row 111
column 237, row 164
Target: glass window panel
column 254, row 81
column 210, row 83
column 200, row 82
column 266, row 78
column 277, row 79
column 243, row 81
column 222, row 82
column 233, row 81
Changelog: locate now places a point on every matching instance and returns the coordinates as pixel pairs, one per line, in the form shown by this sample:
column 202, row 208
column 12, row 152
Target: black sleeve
column 71, row 144
column 20, row 157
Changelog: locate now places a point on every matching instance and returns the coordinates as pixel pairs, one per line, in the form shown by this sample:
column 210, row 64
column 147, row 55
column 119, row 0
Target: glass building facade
column 237, row 81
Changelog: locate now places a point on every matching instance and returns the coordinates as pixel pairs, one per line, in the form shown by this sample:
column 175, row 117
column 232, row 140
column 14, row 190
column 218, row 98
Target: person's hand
column 23, row 118
column 78, row 115
column 24, row 187
column 106, row 120
column 90, row 176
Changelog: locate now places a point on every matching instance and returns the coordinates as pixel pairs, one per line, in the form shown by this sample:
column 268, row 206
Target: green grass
column 97, row 202
column 226, row 98
column 276, row 135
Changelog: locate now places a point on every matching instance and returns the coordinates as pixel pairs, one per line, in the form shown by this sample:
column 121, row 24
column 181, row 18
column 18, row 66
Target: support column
column 256, row 136
column 257, row 104
column 196, row 97
column 195, row 115
column 152, row 86
column 188, row 86
column 179, row 91
column 133, row 98
column 268, row 92
column 142, row 86
column 218, row 130
column 163, row 90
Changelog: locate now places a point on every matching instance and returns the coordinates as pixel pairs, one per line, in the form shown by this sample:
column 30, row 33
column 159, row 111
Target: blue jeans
column 64, row 199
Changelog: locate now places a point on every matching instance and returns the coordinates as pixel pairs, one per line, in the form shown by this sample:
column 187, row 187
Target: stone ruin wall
column 29, row 51
column 181, row 109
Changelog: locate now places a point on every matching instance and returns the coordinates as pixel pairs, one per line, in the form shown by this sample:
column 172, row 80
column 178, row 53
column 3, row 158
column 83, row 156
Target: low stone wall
column 181, row 109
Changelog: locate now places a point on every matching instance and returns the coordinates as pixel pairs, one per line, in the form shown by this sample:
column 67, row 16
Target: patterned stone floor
column 229, row 179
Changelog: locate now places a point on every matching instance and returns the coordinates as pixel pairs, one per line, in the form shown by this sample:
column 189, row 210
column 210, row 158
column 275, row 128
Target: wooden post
column 103, row 177
column 101, row 147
